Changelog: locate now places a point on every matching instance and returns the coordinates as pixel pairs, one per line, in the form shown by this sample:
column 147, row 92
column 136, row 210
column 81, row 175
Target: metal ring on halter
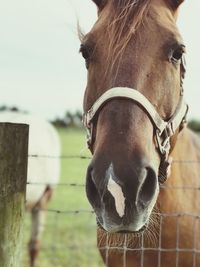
column 164, row 146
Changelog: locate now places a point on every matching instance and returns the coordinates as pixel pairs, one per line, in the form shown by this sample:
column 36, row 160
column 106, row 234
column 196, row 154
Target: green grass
column 69, row 240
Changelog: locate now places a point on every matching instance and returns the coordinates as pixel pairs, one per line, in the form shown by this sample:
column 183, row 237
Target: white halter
column 161, row 126
column 164, row 130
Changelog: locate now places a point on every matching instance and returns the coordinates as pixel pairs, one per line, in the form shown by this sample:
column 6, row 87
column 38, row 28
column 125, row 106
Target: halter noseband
column 164, row 130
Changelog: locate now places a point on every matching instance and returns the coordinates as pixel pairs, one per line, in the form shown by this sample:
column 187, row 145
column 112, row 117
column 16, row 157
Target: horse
column 43, row 172
column 144, row 176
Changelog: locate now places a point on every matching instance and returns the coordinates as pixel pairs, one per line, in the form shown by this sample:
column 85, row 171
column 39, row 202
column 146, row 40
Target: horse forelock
column 123, row 21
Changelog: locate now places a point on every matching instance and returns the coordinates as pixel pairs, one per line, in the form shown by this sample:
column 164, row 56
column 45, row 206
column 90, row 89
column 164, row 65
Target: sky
column 41, row 70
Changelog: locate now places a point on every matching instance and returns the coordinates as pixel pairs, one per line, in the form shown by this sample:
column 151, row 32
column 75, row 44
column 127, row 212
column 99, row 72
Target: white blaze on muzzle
column 117, row 193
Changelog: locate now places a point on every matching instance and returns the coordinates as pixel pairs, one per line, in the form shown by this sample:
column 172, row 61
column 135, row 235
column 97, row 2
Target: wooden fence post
column 13, row 177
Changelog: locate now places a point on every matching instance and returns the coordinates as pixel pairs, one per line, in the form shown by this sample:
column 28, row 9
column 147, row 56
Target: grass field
column 69, row 239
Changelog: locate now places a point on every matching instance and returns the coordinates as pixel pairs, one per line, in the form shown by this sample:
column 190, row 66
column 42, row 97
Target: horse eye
column 85, row 51
column 177, row 53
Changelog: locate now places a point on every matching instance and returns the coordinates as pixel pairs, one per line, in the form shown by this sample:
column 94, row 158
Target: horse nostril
column 148, row 188
column 91, row 190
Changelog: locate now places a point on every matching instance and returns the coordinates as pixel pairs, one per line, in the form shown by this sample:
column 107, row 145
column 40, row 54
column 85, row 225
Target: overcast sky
column 40, row 68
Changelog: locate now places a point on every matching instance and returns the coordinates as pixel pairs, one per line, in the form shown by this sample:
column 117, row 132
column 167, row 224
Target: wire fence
column 161, row 252
column 142, row 246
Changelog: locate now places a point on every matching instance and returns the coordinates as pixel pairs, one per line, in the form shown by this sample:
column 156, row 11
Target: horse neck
column 185, row 176
column 186, row 158
column 187, row 147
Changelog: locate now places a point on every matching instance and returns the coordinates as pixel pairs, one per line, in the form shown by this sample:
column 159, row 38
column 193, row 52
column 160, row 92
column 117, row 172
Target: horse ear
column 100, row 3
column 176, row 3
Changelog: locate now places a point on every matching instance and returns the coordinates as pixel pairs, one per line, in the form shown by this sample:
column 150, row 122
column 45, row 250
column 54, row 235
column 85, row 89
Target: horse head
column 133, row 106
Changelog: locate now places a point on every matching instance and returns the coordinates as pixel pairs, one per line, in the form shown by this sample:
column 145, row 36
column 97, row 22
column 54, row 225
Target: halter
column 164, row 130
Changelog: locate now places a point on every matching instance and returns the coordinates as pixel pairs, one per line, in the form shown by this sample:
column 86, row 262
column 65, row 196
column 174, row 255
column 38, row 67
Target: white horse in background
column 43, row 171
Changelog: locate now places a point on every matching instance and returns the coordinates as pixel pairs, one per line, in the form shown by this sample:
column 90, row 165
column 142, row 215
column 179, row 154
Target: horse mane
column 125, row 18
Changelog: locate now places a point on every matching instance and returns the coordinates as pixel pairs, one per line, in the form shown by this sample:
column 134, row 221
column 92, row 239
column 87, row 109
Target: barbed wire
column 72, row 184
column 79, row 156
column 86, row 211
column 57, row 184
column 74, row 212
column 180, row 187
column 60, row 156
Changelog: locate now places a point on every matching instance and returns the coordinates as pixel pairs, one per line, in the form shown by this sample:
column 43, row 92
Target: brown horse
column 143, row 181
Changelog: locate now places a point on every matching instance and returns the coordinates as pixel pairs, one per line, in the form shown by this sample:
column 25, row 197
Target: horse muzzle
column 122, row 204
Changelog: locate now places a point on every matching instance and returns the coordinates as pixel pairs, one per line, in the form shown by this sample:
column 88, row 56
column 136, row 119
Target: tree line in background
column 194, row 125
column 74, row 119
column 70, row 119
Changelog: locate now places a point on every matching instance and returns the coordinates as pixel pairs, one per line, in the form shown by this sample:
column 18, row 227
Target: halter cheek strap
column 164, row 130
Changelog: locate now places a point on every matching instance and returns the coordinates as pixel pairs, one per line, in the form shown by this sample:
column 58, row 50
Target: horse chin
column 141, row 230
column 121, row 229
